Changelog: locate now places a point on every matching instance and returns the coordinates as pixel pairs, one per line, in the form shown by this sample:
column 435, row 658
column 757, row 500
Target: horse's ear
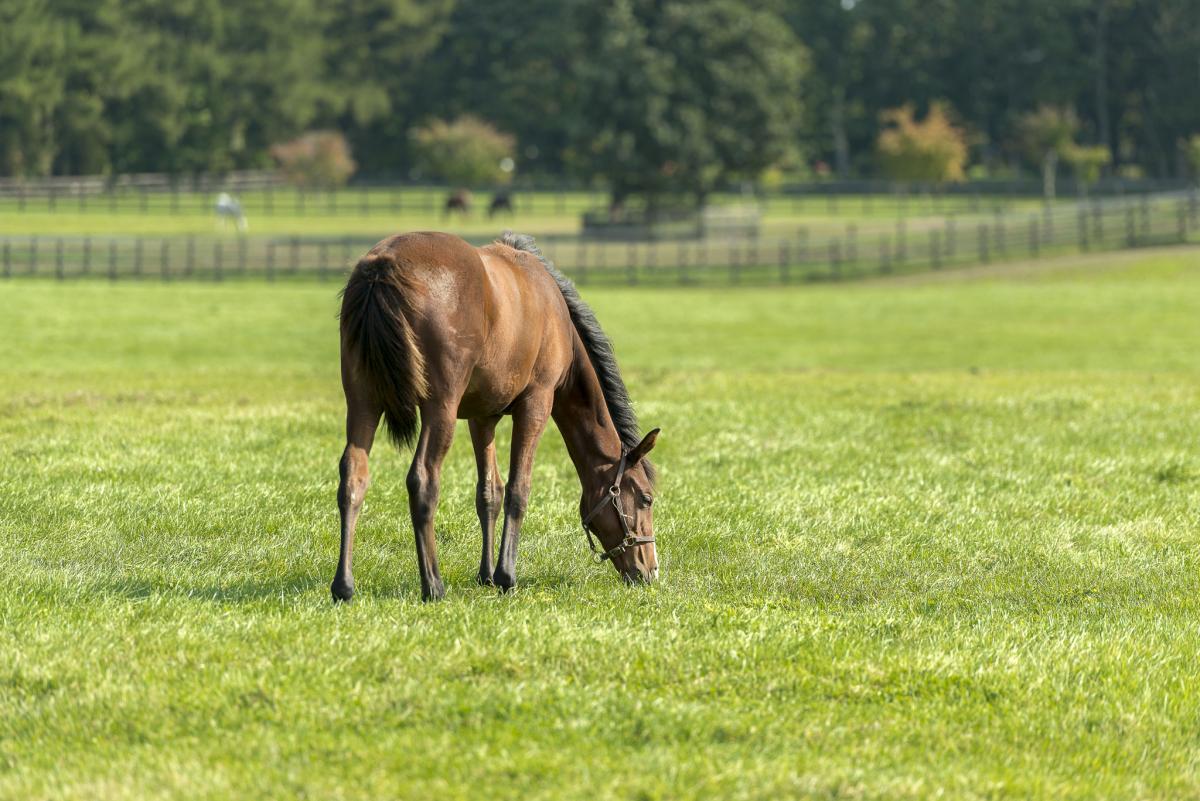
column 644, row 447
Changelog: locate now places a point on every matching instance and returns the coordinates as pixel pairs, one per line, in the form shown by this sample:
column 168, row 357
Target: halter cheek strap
column 613, row 496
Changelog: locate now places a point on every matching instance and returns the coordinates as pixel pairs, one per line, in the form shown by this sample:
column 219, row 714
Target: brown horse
column 432, row 324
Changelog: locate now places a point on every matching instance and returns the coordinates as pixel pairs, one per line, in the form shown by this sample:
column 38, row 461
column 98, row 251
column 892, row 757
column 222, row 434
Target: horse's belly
column 489, row 395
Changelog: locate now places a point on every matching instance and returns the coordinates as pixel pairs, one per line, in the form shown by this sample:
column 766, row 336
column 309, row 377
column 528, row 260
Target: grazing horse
column 228, row 208
column 431, row 324
column 501, row 201
column 460, row 201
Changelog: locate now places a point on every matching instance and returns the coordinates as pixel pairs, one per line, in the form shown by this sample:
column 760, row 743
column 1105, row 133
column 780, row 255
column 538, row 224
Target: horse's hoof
column 342, row 591
column 484, row 579
column 436, row 591
column 503, row 581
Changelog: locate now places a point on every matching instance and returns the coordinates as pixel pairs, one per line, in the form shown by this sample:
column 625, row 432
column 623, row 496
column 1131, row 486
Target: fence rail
column 263, row 195
column 856, row 251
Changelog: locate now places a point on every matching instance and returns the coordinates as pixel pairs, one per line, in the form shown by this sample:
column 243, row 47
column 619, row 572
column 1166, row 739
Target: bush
column 318, row 159
column 932, row 149
column 467, row 151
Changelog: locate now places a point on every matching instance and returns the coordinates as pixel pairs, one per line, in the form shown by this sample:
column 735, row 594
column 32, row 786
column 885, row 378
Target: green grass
column 918, row 539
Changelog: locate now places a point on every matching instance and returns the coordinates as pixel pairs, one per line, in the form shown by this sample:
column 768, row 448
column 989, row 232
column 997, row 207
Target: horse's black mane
column 597, row 345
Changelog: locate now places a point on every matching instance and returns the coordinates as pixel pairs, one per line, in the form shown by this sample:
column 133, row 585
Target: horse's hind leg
column 362, row 418
column 489, row 491
column 424, row 483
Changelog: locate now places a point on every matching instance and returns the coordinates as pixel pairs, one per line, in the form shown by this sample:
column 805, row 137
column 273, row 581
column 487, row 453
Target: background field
column 920, row 537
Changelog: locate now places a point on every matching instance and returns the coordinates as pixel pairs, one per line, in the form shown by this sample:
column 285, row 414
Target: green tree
column 1046, row 135
column 677, row 97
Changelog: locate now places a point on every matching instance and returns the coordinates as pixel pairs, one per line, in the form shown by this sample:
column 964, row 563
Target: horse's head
column 620, row 514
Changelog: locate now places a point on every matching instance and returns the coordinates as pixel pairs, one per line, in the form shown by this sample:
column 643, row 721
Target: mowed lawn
column 918, row 539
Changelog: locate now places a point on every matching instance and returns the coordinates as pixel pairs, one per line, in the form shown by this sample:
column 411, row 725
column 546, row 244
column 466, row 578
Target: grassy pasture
column 918, row 538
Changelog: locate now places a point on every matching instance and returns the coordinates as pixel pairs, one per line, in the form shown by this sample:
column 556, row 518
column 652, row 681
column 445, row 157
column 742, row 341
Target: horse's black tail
column 377, row 334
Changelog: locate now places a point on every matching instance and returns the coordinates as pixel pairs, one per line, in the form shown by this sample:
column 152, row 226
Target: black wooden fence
column 859, row 249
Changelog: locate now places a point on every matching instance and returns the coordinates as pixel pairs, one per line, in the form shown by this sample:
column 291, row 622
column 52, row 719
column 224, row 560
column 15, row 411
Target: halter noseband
column 612, row 496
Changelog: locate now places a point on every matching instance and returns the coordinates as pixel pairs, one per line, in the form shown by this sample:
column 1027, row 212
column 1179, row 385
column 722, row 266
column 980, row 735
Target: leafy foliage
column 466, row 151
column 931, row 149
column 678, row 96
column 316, row 159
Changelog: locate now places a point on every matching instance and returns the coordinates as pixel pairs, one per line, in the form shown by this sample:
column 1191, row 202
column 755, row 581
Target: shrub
column 319, row 159
column 932, row 149
column 467, row 151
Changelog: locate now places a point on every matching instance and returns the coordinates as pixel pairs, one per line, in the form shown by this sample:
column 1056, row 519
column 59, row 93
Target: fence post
column 58, row 259
column 7, row 259
column 294, row 256
column 785, row 262
column 87, row 255
column 735, row 265
column 1034, row 244
column 1084, row 243
column 901, row 241
column 164, row 260
column 1194, row 205
column 1181, row 218
column 1130, row 226
column 33, row 255
column 218, row 260
column 189, row 263
column 323, row 259
column 631, row 267
column 984, row 254
column 583, row 262
column 1145, row 208
column 137, row 257
column 271, row 261
column 241, row 255
column 935, row 250
column 112, row 260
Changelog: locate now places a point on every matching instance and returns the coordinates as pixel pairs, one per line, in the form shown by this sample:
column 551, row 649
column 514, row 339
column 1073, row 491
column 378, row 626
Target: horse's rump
column 378, row 335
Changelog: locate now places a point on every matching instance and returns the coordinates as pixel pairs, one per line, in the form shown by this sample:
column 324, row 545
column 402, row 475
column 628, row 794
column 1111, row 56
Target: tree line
column 647, row 96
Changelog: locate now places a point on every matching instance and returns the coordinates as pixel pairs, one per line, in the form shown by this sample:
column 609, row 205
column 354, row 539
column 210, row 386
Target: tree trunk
column 1049, row 173
column 841, row 142
column 1100, row 55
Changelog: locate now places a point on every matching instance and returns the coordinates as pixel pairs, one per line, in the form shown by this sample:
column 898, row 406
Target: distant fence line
column 263, row 193
column 856, row 251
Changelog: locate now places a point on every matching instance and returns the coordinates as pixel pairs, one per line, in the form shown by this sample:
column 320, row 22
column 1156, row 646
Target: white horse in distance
column 229, row 209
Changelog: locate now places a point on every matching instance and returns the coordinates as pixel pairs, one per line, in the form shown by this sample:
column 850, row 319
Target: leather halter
column 613, row 496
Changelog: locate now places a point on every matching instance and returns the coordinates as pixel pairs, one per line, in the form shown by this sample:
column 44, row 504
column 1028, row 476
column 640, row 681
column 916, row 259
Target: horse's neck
column 581, row 414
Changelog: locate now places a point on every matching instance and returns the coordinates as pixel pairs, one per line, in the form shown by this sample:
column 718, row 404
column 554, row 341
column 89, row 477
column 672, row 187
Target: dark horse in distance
column 435, row 326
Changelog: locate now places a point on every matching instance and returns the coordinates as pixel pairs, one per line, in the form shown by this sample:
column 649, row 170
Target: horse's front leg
column 529, row 421
column 424, row 483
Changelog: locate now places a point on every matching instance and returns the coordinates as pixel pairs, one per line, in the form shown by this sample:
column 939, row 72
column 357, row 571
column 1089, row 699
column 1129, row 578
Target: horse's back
column 490, row 321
